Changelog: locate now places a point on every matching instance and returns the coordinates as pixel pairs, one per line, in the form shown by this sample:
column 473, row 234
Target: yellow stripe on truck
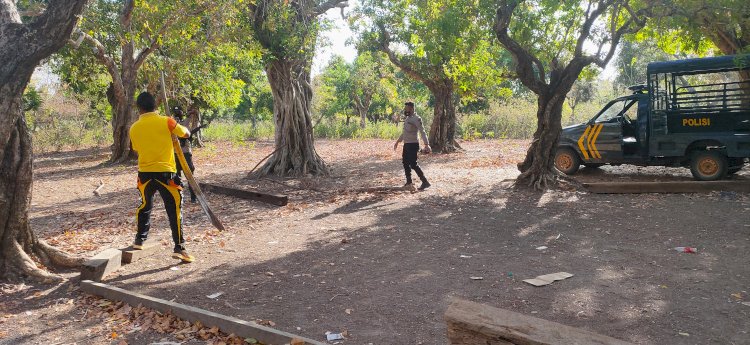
column 580, row 143
column 592, row 147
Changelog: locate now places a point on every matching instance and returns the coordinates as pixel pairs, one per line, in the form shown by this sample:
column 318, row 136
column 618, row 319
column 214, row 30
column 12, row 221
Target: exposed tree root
column 58, row 257
column 551, row 180
column 18, row 263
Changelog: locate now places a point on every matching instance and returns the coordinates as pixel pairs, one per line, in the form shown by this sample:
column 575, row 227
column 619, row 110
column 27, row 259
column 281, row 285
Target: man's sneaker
column 184, row 256
column 137, row 246
column 424, row 185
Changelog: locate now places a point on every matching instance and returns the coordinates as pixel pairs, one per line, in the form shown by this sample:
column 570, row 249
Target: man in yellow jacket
column 151, row 137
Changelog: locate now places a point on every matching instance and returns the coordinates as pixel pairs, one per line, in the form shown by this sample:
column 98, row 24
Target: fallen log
column 278, row 200
column 472, row 323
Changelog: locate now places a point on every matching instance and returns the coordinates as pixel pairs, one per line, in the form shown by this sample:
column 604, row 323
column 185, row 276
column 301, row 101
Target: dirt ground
column 382, row 266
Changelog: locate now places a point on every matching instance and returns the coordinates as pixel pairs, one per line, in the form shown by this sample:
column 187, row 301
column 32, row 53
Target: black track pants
column 409, row 158
column 170, row 190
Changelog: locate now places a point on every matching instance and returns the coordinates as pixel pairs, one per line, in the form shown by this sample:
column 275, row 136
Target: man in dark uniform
column 187, row 147
column 412, row 126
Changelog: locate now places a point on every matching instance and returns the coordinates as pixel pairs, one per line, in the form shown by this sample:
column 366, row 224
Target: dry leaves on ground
column 120, row 319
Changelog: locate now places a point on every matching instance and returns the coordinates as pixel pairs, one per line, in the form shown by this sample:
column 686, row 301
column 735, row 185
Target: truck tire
column 567, row 160
column 708, row 165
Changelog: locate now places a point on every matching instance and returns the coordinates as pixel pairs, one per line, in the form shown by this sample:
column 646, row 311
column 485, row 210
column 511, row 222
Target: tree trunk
column 123, row 116
column 443, row 128
column 537, row 169
column 295, row 148
column 22, row 46
column 195, row 120
column 362, row 106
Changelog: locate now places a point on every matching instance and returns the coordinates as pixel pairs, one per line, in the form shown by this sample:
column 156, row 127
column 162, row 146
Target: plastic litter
column 334, row 336
column 686, row 250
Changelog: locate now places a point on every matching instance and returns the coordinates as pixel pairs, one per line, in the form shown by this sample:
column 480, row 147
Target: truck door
column 604, row 136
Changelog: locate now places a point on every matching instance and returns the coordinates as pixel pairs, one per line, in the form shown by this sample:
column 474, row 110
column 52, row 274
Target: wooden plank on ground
column 227, row 324
column 668, row 187
column 102, row 264
column 278, row 200
column 130, row 255
column 472, row 323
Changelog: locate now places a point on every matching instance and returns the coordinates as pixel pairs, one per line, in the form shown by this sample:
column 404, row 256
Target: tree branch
column 525, row 61
column 325, row 6
column 127, row 13
column 107, row 61
column 385, row 40
column 632, row 25
column 154, row 43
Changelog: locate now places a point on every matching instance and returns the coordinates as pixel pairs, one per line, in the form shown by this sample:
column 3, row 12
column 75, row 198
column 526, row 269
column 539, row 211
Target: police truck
column 692, row 113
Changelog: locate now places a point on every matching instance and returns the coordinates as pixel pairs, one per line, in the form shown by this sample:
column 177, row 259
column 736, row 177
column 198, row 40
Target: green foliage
column 257, row 100
column 287, row 30
column 698, row 27
column 32, row 99
column 439, row 40
column 373, row 130
column 63, row 122
column 336, row 88
column 238, row 131
column 211, row 60
column 633, row 58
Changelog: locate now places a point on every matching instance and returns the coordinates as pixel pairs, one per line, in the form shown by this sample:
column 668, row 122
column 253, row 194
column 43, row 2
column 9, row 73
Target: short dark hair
column 146, row 102
column 409, row 103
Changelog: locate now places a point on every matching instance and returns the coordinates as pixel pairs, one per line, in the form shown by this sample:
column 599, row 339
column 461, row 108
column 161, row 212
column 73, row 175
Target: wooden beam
column 472, row 323
column 668, row 187
column 278, row 200
column 130, row 255
column 227, row 324
column 102, row 264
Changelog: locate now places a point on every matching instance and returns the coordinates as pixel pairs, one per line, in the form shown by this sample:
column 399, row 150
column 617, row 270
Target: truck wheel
column 708, row 165
column 567, row 161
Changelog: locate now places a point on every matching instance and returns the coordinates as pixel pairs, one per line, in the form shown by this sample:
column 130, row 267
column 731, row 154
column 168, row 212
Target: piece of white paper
column 215, row 295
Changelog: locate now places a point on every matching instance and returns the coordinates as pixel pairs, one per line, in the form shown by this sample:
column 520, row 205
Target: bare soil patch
column 382, row 265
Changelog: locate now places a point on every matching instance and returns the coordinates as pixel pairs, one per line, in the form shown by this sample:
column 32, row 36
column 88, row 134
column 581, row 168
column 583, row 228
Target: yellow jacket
column 151, row 136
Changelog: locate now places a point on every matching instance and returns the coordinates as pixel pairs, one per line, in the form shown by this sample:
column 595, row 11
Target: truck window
column 615, row 109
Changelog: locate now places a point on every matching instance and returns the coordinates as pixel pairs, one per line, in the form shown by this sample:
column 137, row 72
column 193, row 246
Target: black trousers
column 409, row 159
column 169, row 188
column 189, row 160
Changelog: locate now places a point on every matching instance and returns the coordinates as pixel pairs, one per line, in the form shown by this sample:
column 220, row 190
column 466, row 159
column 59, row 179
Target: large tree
column 287, row 31
column 122, row 46
column 446, row 45
column 548, row 40
column 22, row 47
